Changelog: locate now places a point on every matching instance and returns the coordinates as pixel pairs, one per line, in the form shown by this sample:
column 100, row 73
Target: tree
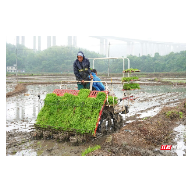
column 61, row 58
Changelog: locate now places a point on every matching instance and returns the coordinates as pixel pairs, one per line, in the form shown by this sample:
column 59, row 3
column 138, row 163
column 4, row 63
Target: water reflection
column 23, row 111
column 34, row 111
column 17, row 111
column 23, row 107
column 20, row 109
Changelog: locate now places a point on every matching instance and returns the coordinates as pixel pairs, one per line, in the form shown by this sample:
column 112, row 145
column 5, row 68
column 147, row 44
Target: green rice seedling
column 69, row 112
column 90, row 149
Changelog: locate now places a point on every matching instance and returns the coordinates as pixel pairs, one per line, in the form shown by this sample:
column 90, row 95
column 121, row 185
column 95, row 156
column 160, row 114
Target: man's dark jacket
column 82, row 70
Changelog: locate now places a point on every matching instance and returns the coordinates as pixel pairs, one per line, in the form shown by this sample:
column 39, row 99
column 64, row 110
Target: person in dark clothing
column 82, row 71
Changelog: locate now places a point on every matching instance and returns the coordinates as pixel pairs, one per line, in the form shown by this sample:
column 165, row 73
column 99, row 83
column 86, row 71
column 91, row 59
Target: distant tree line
column 60, row 59
column 172, row 62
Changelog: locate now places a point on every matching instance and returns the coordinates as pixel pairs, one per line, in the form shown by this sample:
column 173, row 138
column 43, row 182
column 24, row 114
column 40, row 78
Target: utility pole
column 108, row 59
column 16, row 65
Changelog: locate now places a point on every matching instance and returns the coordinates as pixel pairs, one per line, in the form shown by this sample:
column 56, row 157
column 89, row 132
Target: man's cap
column 80, row 54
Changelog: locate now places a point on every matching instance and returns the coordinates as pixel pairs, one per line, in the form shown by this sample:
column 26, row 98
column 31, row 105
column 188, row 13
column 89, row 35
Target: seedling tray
column 61, row 92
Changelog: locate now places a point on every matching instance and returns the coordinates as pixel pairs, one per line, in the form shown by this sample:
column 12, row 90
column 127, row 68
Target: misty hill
column 54, row 59
column 60, row 59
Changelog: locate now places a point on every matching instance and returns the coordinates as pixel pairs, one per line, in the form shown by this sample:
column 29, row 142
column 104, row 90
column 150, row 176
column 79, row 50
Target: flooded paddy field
column 22, row 110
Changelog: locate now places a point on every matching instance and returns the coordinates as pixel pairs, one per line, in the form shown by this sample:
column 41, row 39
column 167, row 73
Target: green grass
column 174, row 114
column 156, row 79
column 175, row 80
column 22, row 82
column 90, row 149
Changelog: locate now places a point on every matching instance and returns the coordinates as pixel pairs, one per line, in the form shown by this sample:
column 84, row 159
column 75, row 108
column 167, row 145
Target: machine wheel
column 108, row 128
column 118, row 122
column 103, row 129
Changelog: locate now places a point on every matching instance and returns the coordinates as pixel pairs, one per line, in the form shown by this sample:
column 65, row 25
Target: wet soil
column 19, row 88
column 137, row 137
column 31, row 147
column 22, row 81
column 144, row 138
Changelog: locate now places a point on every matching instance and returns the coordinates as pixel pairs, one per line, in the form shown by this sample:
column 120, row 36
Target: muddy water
column 22, row 111
column 48, row 148
column 38, row 78
column 150, row 99
column 180, row 140
column 10, row 87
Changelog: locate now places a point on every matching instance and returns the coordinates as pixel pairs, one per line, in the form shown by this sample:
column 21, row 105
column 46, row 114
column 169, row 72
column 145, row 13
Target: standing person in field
column 82, row 71
column 98, row 86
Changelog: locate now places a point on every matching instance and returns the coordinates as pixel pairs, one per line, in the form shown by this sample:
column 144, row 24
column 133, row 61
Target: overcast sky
column 90, row 43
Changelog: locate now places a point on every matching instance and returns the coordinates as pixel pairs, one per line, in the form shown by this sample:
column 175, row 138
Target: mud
column 23, row 108
column 20, row 88
column 21, row 82
column 31, row 147
column 144, row 138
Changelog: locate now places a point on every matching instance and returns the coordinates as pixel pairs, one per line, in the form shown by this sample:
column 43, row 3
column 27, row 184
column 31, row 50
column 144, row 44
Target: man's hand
column 91, row 76
column 82, row 81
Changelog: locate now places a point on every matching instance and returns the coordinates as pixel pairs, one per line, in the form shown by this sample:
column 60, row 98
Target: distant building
column 11, row 68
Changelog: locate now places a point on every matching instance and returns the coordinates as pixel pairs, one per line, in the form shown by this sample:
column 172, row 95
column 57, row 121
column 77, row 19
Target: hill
column 59, row 59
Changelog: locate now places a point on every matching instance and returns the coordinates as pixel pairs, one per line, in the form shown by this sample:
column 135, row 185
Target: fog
column 117, row 48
